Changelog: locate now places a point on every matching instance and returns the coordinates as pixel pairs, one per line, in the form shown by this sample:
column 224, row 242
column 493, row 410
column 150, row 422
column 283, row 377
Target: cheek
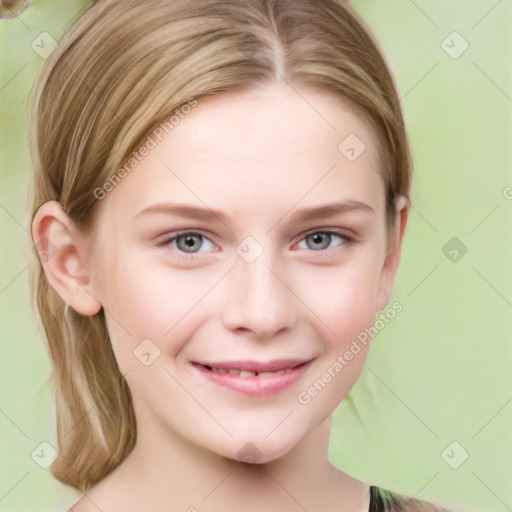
column 144, row 303
column 345, row 305
column 344, row 299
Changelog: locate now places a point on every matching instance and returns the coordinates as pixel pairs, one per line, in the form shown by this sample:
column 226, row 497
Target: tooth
column 234, row 372
column 266, row 374
column 219, row 370
column 247, row 374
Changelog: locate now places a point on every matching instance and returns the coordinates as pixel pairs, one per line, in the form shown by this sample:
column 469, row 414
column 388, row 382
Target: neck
column 180, row 475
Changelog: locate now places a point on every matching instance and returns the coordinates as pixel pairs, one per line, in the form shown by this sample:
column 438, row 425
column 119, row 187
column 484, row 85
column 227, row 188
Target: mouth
column 254, row 378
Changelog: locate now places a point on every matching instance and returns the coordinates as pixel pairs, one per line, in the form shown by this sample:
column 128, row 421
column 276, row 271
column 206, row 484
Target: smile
column 243, row 373
column 254, row 378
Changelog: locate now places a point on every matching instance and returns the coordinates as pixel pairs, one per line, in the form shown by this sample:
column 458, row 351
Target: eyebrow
column 210, row 214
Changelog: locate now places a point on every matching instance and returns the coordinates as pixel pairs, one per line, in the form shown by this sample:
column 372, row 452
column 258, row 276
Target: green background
column 440, row 371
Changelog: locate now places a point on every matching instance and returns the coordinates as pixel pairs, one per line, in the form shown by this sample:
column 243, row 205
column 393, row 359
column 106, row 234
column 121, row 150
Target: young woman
column 220, row 198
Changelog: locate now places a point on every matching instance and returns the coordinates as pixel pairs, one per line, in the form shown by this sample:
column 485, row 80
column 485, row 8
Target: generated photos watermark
column 342, row 360
column 157, row 135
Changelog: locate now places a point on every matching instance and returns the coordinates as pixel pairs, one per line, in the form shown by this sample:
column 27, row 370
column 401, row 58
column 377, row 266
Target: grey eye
column 190, row 242
column 319, row 240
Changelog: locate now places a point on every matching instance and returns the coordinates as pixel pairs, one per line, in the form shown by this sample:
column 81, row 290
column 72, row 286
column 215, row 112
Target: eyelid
column 345, row 233
column 170, row 235
column 348, row 239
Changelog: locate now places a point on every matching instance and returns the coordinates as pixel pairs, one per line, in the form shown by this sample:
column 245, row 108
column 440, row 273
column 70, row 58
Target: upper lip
column 255, row 366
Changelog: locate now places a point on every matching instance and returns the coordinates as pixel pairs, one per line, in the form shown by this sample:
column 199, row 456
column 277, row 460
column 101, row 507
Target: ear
column 393, row 253
column 63, row 254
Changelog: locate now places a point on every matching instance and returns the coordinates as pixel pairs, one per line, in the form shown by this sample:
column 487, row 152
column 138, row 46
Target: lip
column 289, row 372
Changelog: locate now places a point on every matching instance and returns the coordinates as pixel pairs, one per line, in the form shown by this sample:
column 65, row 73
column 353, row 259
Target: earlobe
column 63, row 256
column 393, row 254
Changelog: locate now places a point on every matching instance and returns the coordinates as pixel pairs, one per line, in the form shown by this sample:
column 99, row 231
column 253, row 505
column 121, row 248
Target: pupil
column 190, row 241
column 319, row 237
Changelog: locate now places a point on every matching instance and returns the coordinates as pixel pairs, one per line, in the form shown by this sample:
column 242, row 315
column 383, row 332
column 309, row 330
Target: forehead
column 258, row 149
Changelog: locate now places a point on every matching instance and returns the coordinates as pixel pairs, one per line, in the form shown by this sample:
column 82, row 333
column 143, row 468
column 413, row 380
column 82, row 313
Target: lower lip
column 255, row 386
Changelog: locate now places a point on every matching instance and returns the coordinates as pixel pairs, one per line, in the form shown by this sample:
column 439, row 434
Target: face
column 238, row 262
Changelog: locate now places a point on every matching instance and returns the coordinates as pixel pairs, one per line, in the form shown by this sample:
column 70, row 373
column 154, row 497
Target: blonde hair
column 123, row 68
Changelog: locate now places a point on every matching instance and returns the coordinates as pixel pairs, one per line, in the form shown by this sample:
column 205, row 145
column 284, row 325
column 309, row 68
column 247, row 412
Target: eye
column 321, row 240
column 188, row 244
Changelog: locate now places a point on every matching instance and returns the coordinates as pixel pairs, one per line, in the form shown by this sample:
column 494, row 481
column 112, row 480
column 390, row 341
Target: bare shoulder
column 105, row 495
column 82, row 506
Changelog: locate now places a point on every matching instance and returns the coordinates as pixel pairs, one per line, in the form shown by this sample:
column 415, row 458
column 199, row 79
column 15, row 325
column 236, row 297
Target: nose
column 258, row 299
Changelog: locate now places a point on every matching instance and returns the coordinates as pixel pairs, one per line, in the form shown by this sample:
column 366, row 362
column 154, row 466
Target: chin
column 260, row 450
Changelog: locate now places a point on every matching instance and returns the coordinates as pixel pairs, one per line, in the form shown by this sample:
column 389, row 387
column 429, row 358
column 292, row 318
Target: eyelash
column 347, row 241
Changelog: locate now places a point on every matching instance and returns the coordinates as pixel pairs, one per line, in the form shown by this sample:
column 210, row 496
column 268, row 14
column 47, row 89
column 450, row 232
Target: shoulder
column 382, row 500
column 82, row 505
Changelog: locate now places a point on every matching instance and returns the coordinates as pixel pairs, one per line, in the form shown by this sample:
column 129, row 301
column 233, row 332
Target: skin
column 257, row 155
